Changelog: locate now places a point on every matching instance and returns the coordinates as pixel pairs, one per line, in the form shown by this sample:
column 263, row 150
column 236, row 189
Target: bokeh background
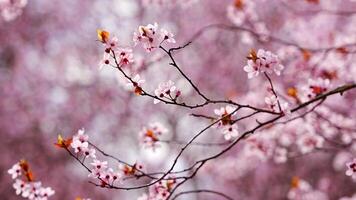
column 50, row 83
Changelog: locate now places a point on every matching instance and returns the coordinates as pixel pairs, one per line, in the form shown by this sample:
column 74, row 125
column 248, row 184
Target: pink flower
column 263, row 61
column 89, row 152
column 15, row 171
column 230, row 131
column 20, row 186
column 165, row 90
column 167, row 36
column 124, row 56
column 136, row 85
column 272, row 102
column 99, row 166
column 351, row 169
column 149, row 137
column 225, row 113
column 46, row 192
column 150, row 38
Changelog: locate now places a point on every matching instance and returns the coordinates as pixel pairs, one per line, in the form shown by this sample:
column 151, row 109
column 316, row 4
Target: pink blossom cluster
column 151, row 37
column 227, row 125
column 160, row 190
column 167, row 91
column 11, row 9
column 112, row 50
column 28, row 188
column 262, row 61
column 80, row 145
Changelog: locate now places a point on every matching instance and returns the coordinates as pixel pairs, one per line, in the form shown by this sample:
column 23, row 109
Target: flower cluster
column 106, row 175
column 150, row 37
column 112, row 49
column 81, row 146
column 277, row 105
column 160, row 190
column 100, row 169
column 228, row 126
column 167, row 90
column 27, row 187
column 149, row 137
column 262, row 61
column 11, row 9
column 136, row 84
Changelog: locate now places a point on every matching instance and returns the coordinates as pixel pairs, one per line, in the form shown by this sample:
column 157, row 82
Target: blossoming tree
column 257, row 105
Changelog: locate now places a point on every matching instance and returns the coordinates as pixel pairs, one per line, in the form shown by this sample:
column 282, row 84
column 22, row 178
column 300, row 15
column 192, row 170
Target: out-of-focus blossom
column 11, row 9
column 149, row 137
column 308, row 142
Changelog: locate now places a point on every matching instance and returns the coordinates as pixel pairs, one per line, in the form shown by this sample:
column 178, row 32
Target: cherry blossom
column 150, row 37
column 351, row 169
column 149, row 137
column 166, row 90
column 125, row 56
column 136, row 84
column 230, row 131
column 263, row 61
column 15, row 171
column 28, row 188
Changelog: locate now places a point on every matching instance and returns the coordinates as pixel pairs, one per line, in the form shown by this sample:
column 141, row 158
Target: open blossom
column 150, row 37
column 263, row 61
column 230, row 131
column 226, row 124
column 124, row 56
column 99, row 165
column 225, row 113
column 15, row 171
column 351, row 168
column 272, row 102
column 80, row 141
column 166, row 90
column 149, row 137
column 136, row 84
column 307, row 142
